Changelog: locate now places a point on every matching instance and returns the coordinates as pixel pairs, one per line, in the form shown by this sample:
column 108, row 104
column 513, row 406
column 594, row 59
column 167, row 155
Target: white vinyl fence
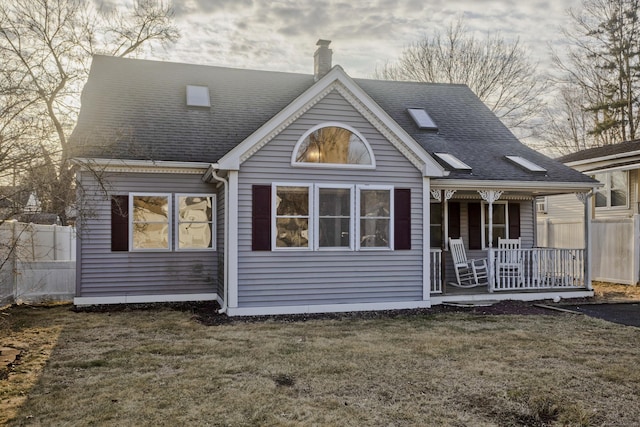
column 37, row 262
column 615, row 245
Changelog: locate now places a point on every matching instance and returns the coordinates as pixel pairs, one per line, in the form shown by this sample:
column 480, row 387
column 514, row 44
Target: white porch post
column 443, row 197
column 426, row 239
column 490, row 196
column 587, row 238
column 233, row 240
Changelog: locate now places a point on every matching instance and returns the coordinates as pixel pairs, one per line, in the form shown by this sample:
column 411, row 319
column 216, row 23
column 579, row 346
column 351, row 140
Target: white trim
column 327, row 308
column 274, row 217
column 426, row 239
column 176, row 225
column 366, row 187
column 336, row 79
column 603, row 158
column 135, row 299
column 142, row 166
column 542, row 187
column 294, row 153
column 524, row 296
column 232, row 242
column 169, row 222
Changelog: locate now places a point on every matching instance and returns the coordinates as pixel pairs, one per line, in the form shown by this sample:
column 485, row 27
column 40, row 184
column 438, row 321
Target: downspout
column 214, row 174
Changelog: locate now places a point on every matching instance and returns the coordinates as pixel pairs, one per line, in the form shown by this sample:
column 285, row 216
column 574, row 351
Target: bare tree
column 496, row 70
column 47, row 46
column 602, row 67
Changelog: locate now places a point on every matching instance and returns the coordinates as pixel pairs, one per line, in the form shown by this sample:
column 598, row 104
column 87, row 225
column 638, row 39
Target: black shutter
column 514, row 220
column 402, row 218
column 119, row 223
column 475, row 226
column 454, row 220
column 261, row 218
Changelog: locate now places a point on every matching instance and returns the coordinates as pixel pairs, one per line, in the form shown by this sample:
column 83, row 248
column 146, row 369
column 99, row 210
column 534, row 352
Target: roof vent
column 422, row 118
column 198, row 96
column 322, row 59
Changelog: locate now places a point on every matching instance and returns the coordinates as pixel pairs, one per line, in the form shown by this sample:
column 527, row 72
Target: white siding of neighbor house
column 102, row 273
column 279, row 278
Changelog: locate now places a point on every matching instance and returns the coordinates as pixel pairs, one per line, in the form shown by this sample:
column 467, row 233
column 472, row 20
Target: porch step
column 471, row 303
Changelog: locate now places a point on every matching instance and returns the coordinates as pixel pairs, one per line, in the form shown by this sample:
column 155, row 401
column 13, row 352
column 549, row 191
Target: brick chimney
column 322, row 59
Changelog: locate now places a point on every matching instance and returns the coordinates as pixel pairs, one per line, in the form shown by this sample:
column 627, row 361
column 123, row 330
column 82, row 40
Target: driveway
column 625, row 313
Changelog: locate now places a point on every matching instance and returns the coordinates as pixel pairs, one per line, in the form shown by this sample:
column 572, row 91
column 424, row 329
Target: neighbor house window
column 375, row 218
column 333, row 216
column 151, row 219
column 615, row 192
column 333, row 144
column 195, row 218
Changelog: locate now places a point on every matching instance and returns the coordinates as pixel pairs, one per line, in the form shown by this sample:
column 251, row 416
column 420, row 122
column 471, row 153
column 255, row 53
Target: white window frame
column 359, row 189
column 316, row 216
column 607, row 190
column 294, row 154
column 169, row 247
column 484, row 218
column 176, row 225
column 274, row 217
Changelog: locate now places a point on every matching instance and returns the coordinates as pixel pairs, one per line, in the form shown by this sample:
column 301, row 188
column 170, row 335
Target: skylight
column 453, row 161
column 422, row 118
column 198, row 96
column 526, row 164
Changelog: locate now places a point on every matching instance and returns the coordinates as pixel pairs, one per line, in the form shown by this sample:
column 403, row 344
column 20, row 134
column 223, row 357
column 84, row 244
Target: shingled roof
column 614, row 150
column 136, row 109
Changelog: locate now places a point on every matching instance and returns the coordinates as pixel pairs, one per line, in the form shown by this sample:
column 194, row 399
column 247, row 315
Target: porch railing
column 537, row 268
column 525, row 269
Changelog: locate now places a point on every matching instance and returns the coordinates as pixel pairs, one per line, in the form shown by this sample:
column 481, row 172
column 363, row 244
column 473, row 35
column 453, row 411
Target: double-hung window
column 615, row 193
column 500, row 226
column 292, row 207
column 334, row 226
column 151, row 222
column 332, row 217
column 375, row 217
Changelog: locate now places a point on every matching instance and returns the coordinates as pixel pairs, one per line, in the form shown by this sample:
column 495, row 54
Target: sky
column 281, row 35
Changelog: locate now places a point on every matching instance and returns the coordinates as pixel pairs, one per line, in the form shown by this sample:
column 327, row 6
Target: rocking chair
column 469, row 273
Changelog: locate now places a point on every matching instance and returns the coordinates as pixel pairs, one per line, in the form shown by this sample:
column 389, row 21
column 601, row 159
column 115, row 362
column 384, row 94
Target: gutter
column 212, row 172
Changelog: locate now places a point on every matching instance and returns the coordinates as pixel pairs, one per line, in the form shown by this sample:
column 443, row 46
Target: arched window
column 333, row 144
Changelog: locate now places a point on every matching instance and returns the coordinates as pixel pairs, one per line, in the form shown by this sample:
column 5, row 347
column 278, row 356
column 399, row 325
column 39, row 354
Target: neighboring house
column 615, row 227
column 286, row 193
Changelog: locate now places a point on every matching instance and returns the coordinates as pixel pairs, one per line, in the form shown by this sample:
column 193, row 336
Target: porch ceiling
column 469, row 189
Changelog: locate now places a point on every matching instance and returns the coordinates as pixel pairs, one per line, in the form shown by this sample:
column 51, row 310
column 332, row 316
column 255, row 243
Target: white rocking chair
column 509, row 265
column 469, row 273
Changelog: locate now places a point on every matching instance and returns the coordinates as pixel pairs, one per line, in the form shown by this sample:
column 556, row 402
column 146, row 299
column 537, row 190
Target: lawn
column 161, row 366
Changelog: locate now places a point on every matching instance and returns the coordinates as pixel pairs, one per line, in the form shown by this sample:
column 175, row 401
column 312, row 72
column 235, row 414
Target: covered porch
column 479, row 218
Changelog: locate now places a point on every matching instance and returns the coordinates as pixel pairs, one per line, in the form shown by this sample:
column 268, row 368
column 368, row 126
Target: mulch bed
column 206, row 312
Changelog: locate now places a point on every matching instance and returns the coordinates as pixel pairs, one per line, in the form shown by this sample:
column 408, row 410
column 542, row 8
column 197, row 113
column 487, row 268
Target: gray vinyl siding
column 103, row 273
column 279, row 278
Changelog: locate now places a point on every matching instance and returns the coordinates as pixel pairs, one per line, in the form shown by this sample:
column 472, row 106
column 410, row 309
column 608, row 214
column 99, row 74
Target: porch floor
column 481, row 293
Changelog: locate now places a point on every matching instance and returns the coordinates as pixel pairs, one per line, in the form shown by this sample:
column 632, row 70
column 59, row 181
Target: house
column 287, row 193
column 615, row 225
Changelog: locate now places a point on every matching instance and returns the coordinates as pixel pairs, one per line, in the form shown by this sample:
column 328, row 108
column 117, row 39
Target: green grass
column 161, row 367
